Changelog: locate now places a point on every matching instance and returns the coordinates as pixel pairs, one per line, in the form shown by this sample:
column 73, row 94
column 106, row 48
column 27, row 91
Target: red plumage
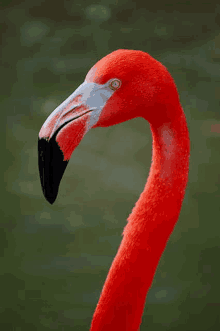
column 148, row 91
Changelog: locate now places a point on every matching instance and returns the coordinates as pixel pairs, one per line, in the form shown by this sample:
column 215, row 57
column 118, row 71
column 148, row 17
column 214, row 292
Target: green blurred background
column 54, row 259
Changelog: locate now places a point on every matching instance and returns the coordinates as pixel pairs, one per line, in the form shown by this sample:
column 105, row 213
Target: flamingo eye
column 115, row 84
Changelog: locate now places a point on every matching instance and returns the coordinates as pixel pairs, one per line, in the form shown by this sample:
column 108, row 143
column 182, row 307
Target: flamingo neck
column 145, row 236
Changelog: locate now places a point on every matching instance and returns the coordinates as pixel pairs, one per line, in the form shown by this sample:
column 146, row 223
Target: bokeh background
column 54, row 258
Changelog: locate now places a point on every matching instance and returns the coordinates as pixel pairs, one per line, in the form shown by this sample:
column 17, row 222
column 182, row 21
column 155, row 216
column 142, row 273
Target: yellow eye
column 115, row 84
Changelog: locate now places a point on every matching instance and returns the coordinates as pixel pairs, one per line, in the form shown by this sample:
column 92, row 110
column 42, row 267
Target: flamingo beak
column 64, row 129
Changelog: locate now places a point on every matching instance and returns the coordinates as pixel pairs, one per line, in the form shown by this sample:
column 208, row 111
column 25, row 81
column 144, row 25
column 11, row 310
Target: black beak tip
column 50, row 199
column 51, row 167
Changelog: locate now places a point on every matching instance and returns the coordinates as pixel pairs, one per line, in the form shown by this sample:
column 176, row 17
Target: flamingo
column 123, row 85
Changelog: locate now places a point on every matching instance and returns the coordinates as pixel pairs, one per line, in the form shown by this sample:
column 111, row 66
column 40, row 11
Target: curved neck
column 149, row 226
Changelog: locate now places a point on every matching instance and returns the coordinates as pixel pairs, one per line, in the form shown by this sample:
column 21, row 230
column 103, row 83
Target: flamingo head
column 123, row 85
